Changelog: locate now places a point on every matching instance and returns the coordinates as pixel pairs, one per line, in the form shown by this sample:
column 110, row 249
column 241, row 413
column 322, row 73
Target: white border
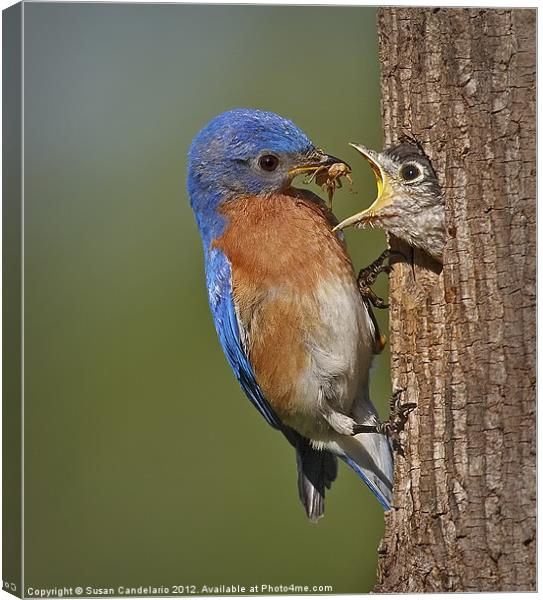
column 6, row 3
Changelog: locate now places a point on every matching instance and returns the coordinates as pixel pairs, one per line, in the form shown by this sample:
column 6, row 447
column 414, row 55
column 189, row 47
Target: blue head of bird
column 246, row 152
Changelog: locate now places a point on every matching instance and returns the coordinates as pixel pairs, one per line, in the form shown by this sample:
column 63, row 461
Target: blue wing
column 221, row 301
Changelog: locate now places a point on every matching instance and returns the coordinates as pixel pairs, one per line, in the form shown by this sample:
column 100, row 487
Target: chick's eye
column 268, row 162
column 410, row 172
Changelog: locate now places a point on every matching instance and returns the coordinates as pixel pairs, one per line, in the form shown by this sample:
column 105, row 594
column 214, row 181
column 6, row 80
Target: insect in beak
column 316, row 161
column 326, row 171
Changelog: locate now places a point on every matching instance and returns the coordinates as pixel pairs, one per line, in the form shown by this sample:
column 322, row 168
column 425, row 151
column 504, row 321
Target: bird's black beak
column 315, row 161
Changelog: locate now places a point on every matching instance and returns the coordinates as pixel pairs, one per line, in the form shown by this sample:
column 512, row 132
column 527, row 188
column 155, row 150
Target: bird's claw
column 368, row 275
column 396, row 422
column 370, row 296
column 399, row 413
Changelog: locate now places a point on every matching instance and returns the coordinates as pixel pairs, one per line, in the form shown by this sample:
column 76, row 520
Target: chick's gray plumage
column 417, row 212
column 410, row 202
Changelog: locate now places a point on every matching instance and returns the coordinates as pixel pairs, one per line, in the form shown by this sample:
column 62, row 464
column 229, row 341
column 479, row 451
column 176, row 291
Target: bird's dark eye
column 410, row 172
column 268, row 162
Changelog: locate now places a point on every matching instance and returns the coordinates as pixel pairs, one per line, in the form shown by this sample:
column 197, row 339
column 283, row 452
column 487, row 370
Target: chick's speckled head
column 411, row 175
column 249, row 152
column 409, row 201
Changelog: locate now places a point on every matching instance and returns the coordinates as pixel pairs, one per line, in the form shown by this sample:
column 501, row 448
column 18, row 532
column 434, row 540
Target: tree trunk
column 462, row 81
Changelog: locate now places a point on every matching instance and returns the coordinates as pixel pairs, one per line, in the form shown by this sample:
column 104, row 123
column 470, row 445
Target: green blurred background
column 144, row 462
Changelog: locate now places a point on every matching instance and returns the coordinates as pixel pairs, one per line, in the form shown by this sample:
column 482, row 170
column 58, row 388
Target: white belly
column 341, row 352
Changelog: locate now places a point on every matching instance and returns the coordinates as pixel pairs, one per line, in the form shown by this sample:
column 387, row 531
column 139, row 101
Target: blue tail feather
column 370, row 456
column 383, row 500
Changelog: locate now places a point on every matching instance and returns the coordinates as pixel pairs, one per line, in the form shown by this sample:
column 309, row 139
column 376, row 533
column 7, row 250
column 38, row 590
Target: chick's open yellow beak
column 383, row 191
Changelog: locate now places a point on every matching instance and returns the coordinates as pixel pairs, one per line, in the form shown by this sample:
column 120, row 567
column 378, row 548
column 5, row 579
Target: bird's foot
column 379, row 428
column 369, row 295
column 399, row 412
column 368, row 276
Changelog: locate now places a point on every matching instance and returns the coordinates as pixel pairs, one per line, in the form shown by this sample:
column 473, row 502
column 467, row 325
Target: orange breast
column 280, row 248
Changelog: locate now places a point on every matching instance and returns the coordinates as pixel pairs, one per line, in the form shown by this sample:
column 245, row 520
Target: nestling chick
column 409, row 201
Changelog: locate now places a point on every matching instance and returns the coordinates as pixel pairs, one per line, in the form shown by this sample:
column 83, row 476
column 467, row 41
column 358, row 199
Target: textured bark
column 462, row 81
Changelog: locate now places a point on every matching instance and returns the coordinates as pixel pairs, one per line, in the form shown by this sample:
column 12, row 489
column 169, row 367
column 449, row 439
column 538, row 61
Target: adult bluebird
column 284, row 298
